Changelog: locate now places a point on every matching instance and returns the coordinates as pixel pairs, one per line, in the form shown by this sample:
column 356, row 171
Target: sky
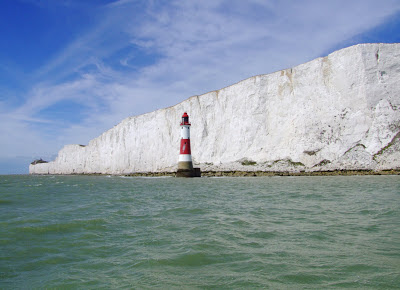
column 72, row 69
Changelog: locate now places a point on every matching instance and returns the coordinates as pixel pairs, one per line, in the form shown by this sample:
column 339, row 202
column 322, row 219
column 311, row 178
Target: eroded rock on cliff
column 340, row 112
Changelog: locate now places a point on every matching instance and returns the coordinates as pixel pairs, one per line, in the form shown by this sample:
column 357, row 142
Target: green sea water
column 228, row 233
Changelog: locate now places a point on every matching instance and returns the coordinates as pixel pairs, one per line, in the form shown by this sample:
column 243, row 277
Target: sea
column 112, row 232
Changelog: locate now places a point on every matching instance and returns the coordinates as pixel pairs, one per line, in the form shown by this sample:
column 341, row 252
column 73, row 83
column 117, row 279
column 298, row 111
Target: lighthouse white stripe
column 185, row 132
column 185, row 157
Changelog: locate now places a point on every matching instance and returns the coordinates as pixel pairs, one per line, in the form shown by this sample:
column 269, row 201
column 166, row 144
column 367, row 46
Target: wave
column 94, row 224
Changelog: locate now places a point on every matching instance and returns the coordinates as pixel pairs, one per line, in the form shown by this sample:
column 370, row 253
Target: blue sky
column 72, row 69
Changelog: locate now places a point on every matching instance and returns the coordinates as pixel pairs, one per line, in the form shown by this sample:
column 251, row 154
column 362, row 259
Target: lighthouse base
column 185, row 165
column 194, row 172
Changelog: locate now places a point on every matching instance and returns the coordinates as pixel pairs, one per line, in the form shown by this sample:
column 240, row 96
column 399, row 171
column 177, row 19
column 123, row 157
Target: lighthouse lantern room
column 185, row 119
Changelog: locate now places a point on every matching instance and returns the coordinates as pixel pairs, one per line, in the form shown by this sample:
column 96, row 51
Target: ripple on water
column 82, row 225
column 5, row 202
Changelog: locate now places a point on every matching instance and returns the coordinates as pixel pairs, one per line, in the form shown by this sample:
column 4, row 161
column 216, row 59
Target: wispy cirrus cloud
column 140, row 56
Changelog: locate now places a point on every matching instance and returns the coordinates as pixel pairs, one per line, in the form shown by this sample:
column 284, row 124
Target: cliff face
column 337, row 112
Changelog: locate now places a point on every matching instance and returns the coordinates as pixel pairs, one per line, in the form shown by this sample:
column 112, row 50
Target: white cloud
column 199, row 45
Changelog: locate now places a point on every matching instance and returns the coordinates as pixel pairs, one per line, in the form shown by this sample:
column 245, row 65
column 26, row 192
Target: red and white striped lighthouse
column 185, row 155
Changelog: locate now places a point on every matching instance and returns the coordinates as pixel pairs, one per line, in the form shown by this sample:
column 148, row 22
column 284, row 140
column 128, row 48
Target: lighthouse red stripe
column 185, row 146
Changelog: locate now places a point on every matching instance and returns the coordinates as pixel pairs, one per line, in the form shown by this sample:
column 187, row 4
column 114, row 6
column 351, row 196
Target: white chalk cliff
column 337, row 112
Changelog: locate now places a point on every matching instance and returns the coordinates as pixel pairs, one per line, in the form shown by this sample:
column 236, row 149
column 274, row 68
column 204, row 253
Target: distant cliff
column 340, row 112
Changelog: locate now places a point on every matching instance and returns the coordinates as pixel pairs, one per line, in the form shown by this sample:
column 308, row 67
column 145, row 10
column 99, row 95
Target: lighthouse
column 185, row 154
column 185, row 164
